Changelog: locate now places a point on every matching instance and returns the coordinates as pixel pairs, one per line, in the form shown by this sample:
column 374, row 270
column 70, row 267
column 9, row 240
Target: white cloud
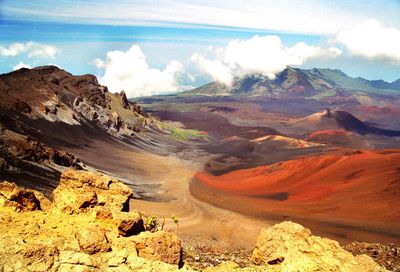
column 214, row 68
column 21, row 65
column 129, row 71
column 372, row 40
column 32, row 49
column 260, row 54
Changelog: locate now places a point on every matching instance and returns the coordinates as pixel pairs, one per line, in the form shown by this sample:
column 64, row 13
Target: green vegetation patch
column 185, row 135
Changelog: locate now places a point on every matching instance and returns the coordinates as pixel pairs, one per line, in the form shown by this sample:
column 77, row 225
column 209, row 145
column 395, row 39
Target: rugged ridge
column 55, row 95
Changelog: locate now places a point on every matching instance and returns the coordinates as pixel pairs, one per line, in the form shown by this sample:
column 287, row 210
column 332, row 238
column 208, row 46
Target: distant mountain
column 381, row 84
column 299, row 82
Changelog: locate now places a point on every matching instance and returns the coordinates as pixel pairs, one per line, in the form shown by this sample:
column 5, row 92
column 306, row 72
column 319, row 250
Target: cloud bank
column 129, row 71
column 307, row 16
column 372, row 40
column 260, row 54
column 32, row 49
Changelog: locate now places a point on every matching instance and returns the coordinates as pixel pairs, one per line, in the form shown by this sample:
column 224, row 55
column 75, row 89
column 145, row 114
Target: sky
column 151, row 47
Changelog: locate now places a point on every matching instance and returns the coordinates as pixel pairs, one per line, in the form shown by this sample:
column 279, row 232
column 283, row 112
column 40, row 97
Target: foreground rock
column 80, row 191
column 293, row 248
column 161, row 245
column 85, row 229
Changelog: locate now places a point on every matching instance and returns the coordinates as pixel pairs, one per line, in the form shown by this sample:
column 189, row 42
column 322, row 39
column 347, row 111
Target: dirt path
column 200, row 224
column 162, row 183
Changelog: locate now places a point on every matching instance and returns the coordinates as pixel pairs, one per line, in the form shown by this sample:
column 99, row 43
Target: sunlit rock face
column 293, row 248
column 84, row 228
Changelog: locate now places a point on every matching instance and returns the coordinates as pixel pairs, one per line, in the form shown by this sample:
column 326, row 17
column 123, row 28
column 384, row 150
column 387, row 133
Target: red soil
column 337, row 137
column 331, row 132
column 354, row 188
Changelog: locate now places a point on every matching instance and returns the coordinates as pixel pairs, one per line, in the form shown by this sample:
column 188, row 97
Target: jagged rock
column 93, row 240
column 133, row 106
column 124, row 99
column 129, row 223
column 80, row 190
column 293, row 248
column 50, row 93
column 163, row 246
column 21, row 199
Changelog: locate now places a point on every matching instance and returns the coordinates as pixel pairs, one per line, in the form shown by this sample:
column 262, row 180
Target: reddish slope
column 359, row 188
column 337, row 137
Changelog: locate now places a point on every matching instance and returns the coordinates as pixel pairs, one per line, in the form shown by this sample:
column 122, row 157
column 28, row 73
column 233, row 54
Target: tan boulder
column 161, row 245
column 79, row 191
column 292, row 247
column 92, row 240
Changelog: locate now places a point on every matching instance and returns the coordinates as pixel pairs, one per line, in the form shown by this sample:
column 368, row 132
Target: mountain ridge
column 297, row 81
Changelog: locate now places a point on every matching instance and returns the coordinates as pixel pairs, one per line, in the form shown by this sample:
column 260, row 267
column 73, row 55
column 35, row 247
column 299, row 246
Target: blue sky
column 169, row 33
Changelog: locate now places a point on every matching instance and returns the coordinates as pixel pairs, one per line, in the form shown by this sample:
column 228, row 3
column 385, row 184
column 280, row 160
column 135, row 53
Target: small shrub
column 154, row 223
column 175, row 220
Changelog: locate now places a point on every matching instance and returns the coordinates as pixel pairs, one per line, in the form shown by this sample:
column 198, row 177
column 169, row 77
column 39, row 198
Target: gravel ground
column 387, row 256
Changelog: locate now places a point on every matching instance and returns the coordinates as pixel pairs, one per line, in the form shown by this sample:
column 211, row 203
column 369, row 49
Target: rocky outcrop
column 16, row 146
column 80, row 191
column 160, row 245
column 292, row 247
column 133, row 106
column 55, row 95
column 93, row 240
column 83, row 229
